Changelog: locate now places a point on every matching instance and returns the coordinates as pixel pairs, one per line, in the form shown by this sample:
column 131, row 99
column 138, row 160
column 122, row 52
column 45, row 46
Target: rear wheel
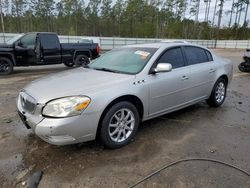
column 81, row 60
column 6, row 66
column 218, row 94
column 119, row 125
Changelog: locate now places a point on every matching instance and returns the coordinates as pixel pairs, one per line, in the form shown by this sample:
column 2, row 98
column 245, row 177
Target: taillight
column 98, row 49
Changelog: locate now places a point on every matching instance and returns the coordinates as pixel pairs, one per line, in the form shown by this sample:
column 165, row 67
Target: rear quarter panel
column 223, row 67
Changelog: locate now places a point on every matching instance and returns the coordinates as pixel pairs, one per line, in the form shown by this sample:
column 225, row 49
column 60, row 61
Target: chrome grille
column 27, row 102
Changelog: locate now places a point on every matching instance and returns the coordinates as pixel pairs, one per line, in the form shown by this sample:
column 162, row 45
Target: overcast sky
column 225, row 18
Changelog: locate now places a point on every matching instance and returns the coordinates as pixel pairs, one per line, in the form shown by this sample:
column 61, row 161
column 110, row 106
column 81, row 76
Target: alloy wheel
column 220, row 92
column 121, row 125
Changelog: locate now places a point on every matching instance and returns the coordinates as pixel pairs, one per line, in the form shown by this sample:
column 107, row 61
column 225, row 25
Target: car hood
column 3, row 45
column 80, row 81
column 6, row 47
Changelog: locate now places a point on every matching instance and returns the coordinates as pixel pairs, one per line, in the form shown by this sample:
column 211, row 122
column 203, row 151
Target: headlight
column 65, row 107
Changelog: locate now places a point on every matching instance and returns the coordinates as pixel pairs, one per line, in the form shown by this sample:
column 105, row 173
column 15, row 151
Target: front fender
column 9, row 55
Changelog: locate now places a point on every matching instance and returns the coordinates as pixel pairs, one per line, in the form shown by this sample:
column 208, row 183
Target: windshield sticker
column 143, row 54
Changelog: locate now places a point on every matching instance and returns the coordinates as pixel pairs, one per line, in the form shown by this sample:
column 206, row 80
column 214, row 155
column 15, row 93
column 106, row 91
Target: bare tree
column 206, row 2
column 208, row 9
column 220, row 15
column 231, row 14
column 198, row 10
column 215, row 7
column 247, row 2
column 240, row 11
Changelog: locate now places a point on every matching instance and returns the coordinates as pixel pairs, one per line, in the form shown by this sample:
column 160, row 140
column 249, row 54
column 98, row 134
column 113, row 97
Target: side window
column 28, row 41
column 174, row 57
column 195, row 55
column 210, row 58
column 49, row 41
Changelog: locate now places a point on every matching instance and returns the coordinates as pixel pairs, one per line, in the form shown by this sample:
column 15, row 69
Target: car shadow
column 40, row 150
column 36, row 70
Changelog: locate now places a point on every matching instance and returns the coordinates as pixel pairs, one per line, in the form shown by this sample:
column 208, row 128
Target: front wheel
column 119, row 125
column 218, row 94
column 6, row 66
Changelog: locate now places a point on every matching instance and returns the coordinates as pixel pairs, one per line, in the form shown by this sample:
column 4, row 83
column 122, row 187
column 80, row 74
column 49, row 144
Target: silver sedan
column 111, row 96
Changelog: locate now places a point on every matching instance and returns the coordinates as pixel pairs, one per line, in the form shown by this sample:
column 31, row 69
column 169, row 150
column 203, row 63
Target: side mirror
column 162, row 67
column 19, row 43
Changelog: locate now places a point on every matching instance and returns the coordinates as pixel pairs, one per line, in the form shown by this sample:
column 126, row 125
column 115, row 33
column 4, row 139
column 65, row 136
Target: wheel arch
column 10, row 56
column 225, row 77
column 86, row 52
column 129, row 98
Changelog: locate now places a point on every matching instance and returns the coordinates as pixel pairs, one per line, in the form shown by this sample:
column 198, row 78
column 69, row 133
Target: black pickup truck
column 44, row 48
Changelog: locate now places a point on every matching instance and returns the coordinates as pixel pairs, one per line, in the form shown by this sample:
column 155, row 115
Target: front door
column 168, row 89
column 25, row 50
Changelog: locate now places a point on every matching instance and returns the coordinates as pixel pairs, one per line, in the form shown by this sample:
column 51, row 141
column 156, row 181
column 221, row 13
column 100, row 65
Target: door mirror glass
column 163, row 67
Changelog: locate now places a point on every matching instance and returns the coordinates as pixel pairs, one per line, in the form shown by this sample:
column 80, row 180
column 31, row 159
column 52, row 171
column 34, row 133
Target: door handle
column 184, row 77
column 211, row 70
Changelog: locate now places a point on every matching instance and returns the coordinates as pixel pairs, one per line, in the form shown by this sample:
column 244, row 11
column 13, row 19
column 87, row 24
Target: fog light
column 61, row 138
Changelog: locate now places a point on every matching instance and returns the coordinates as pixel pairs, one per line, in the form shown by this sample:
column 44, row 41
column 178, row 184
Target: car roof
column 164, row 44
column 42, row 33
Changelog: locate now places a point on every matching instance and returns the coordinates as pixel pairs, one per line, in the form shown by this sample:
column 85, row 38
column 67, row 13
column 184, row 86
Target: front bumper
column 61, row 131
column 70, row 130
column 64, row 131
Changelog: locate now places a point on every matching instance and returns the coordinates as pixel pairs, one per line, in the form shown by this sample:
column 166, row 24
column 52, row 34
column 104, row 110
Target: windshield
column 124, row 60
column 14, row 39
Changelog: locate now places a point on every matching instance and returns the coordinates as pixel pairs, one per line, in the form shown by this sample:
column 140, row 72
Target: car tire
column 244, row 67
column 119, row 125
column 69, row 64
column 6, row 66
column 81, row 60
column 218, row 94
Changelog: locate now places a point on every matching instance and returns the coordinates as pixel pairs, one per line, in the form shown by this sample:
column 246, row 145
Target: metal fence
column 108, row 43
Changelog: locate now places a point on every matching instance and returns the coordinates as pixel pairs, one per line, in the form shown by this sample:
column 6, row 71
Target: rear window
column 49, row 41
column 209, row 56
column 195, row 55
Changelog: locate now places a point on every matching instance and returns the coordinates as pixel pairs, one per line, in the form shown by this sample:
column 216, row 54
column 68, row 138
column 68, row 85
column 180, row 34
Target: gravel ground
column 197, row 131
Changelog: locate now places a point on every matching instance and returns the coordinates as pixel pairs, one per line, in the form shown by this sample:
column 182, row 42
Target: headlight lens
column 66, row 107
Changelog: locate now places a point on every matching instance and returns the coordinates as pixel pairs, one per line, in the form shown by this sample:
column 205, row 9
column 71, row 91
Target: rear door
column 168, row 90
column 50, row 48
column 202, row 71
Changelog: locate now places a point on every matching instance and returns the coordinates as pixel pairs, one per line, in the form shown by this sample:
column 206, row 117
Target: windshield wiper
column 107, row 70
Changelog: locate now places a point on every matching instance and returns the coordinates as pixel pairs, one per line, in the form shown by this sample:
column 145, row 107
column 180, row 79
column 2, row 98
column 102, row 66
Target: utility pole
column 2, row 22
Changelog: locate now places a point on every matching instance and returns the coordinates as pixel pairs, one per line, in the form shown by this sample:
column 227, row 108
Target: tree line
column 129, row 18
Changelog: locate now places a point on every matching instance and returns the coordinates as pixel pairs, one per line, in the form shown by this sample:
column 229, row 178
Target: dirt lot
column 197, row 131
